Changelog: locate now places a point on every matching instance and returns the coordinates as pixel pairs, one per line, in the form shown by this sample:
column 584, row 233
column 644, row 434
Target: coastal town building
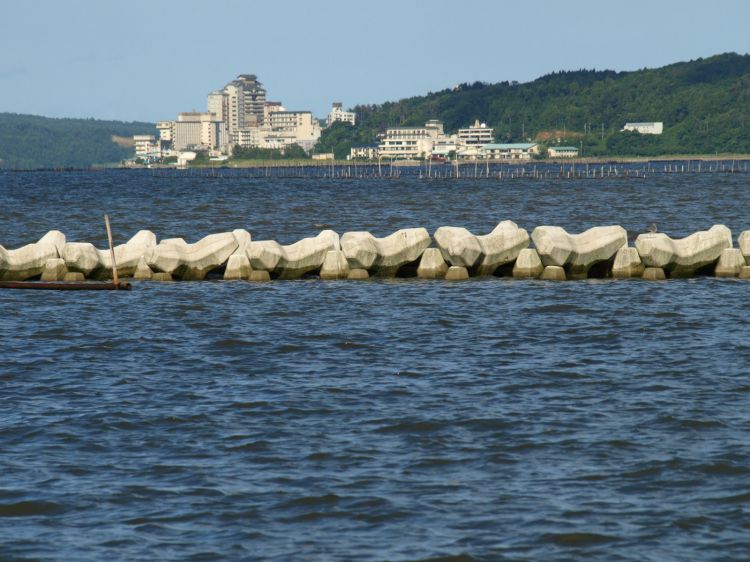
column 562, row 152
column 472, row 152
column 200, row 131
column 165, row 129
column 146, row 146
column 411, row 142
column 645, row 128
column 300, row 126
column 337, row 113
column 218, row 103
column 271, row 107
column 511, row 151
column 240, row 114
column 283, row 128
column 250, row 137
column 186, row 134
column 477, row 135
column 246, row 99
column 363, row 152
column 445, row 147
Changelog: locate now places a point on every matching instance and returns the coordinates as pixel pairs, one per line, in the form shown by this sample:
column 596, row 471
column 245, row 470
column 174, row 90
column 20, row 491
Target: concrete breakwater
column 451, row 253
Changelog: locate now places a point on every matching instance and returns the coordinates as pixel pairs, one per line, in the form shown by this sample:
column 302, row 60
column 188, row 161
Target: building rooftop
column 520, row 145
column 564, row 148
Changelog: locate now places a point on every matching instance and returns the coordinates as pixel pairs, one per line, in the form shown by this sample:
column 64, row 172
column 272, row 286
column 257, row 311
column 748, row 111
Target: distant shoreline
column 594, row 160
column 599, row 160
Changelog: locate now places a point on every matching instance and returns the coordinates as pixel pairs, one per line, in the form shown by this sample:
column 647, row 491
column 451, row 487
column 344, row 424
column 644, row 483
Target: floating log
column 63, row 286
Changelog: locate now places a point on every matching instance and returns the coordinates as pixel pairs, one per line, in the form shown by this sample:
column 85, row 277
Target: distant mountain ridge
column 704, row 104
column 31, row 141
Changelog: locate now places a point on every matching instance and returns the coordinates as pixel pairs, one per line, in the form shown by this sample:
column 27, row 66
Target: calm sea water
column 384, row 420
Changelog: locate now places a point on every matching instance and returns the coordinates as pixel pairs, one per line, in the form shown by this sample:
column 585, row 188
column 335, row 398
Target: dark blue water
column 383, row 420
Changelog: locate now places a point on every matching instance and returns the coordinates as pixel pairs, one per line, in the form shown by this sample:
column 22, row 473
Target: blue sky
column 149, row 59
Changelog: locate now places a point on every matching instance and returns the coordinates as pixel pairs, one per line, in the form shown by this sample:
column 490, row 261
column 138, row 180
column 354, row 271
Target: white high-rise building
column 242, row 105
column 217, row 104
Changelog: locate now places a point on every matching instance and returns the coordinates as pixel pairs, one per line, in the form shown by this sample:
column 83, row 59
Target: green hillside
column 29, row 141
column 704, row 104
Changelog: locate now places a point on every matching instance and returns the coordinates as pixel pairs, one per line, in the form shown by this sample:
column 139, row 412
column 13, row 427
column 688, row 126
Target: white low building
column 645, row 128
column 282, row 129
column 477, row 135
column 510, row 151
column 562, row 152
column 146, row 147
column 365, row 152
column 443, row 148
column 411, row 142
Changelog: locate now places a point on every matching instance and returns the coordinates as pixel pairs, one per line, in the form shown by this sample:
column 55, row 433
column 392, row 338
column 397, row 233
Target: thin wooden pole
column 111, row 251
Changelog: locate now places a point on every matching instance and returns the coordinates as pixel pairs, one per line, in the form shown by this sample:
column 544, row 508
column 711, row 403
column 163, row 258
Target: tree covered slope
column 29, row 141
column 704, row 104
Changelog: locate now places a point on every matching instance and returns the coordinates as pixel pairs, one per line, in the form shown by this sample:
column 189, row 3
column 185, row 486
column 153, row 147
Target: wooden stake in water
column 111, row 251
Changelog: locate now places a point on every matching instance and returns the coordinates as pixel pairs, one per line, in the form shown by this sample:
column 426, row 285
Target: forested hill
column 704, row 104
column 29, row 141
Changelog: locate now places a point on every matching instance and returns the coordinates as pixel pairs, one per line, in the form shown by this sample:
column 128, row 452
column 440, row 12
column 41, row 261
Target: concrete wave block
column 743, row 241
column 82, row 257
column 654, row 274
column 243, row 238
column 264, row 255
column 191, row 261
column 456, row 273
column 161, row 276
column 731, row 261
column 166, row 256
column 54, row 270
column 259, row 275
column 627, row 264
column 28, row 261
column 553, row 273
column 681, row 257
column 501, row 246
column 358, row 274
column 432, row 265
column 238, row 267
column 142, row 270
column 74, row 276
column 577, row 253
column 384, row 256
column 307, row 255
column 745, row 272
column 295, row 260
column 459, row 246
column 528, row 265
column 335, row 266
column 127, row 256
column 56, row 238
column 484, row 253
column 360, row 249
